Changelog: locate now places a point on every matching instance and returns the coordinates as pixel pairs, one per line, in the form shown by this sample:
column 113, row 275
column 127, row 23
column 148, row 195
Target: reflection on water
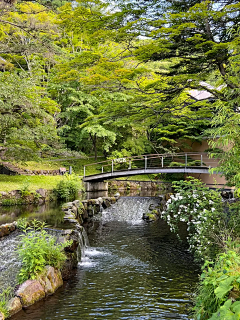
column 132, row 271
column 49, row 212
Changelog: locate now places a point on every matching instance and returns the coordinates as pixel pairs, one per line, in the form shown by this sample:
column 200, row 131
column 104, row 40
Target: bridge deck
column 151, row 164
column 132, row 172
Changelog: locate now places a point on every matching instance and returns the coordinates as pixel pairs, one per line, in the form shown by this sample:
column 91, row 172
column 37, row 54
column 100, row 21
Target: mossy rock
column 150, row 217
column 81, row 206
column 156, row 212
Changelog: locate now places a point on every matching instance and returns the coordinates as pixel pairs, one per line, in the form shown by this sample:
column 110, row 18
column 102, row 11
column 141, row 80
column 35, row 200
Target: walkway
column 149, row 164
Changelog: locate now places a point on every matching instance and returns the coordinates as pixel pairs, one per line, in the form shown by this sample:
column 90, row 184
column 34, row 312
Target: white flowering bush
column 202, row 210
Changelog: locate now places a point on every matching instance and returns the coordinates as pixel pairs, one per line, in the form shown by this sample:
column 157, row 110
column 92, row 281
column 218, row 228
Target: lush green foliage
column 218, row 293
column 38, row 249
column 26, row 117
column 68, row 187
column 225, row 125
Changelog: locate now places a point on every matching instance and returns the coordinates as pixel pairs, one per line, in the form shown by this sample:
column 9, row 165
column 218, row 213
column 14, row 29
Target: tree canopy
column 103, row 77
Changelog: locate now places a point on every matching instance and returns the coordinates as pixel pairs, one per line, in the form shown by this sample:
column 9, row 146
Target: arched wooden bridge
column 149, row 164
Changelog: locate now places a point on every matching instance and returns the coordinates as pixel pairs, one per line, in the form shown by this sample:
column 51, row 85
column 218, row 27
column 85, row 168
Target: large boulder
column 42, row 192
column 51, row 280
column 13, row 306
column 30, row 292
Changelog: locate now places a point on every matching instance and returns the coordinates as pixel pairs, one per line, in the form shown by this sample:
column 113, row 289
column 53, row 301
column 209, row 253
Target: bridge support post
column 96, row 186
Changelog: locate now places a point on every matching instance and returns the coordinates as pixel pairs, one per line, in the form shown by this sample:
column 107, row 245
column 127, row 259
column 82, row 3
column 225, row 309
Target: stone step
column 15, row 169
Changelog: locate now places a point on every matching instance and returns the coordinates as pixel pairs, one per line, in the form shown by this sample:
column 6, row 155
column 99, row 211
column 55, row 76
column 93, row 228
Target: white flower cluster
column 198, row 211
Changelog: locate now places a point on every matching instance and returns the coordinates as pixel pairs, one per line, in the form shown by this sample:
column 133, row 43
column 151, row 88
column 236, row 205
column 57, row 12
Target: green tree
column 225, row 124
column 26, row 116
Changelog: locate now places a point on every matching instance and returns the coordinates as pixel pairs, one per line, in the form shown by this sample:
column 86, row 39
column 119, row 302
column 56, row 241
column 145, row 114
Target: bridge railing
column 189, row 159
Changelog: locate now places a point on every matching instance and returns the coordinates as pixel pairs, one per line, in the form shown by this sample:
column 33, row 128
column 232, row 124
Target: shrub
column 219, row 287
column 5, row 296
column 22, row 224
column 25, row 191
column 68, row 187
column 38, row 249
column 201, row 209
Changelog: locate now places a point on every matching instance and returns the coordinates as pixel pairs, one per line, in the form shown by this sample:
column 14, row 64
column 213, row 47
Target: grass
column 76, row 164
column 9, row 183
column 41, row 165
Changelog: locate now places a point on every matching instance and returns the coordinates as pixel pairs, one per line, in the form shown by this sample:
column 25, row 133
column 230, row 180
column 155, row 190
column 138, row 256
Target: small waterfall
column 10, row 262
column 130, row 209
column 85, row 238
column 86, row 254
column 83, row 244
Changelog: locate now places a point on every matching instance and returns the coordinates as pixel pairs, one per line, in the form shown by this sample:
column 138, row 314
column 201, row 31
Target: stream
column 131, row 270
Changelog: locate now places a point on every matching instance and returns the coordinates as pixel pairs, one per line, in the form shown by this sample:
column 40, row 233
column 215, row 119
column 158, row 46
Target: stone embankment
column 83, row 211
column 32, row 291
column 6, row 229
column 16, row 197
column 11, row 169
column 121, row 185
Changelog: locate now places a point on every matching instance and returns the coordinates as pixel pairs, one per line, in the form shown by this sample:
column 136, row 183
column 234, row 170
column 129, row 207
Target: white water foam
column 90, row 256
column 129, row 209
column 93, row 252
column 87, row 262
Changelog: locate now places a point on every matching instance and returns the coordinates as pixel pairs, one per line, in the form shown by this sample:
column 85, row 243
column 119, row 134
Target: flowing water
column 10, row 264
column 133, row 270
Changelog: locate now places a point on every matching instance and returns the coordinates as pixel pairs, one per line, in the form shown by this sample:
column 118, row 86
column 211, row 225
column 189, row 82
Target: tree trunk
column 94, row 141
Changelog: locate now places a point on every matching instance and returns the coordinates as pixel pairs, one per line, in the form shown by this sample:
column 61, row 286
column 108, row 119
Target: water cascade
column 10, row 264
column 130, row 209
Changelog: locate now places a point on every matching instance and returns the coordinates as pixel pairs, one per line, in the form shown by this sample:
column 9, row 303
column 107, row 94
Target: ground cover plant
column 38, row 249
column 219, row 288
column 5, row 296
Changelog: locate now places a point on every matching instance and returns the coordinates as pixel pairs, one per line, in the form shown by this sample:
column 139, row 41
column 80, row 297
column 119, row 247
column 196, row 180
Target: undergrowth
column 68, row 187
column 5, row 296
column 218, row 292
column 38, row 249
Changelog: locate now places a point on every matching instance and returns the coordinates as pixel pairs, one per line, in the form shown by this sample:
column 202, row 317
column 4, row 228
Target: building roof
column 203, row 94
